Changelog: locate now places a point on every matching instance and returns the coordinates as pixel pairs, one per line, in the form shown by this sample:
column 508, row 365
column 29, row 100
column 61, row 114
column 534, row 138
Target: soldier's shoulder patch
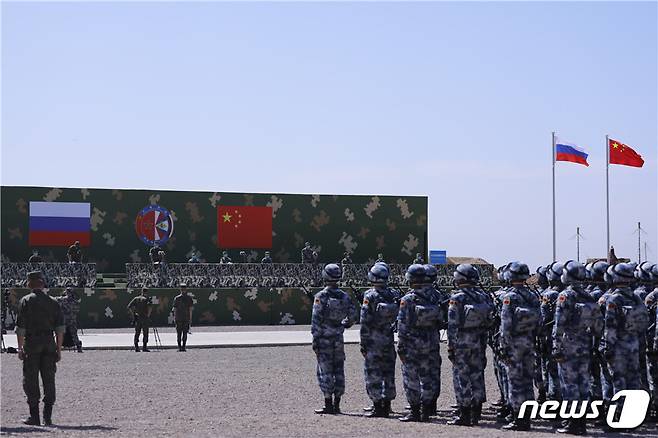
column 545, row 300
column 612, row 306
column 366, row 302
column 648, row 302
column 562, row 298
column 452, row 303
column 403, row 303
column 506, row 301
column 317, row 301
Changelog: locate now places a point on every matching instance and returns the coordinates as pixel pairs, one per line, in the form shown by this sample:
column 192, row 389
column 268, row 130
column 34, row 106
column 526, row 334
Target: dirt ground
column 226, row 392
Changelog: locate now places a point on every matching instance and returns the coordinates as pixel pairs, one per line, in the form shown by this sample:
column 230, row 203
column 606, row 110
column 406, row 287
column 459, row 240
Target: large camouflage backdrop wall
column 364, row 225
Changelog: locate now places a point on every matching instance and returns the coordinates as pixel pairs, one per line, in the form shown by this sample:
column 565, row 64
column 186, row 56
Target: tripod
column 156, row 336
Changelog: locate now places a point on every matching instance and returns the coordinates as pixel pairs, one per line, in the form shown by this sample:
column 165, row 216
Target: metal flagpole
column 553, row 160
column 607, row 194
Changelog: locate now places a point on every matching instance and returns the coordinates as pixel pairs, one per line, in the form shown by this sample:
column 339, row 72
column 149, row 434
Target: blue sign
column 438, row 257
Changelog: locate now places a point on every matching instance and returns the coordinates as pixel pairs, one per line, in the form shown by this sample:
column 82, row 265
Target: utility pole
column 577, row 236
column 639, row 232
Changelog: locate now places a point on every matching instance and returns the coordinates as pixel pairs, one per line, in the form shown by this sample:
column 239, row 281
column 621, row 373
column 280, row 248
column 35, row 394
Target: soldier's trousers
column 41, row 358
column 469, row 376
column 644, row 381
column 330, row 353
column 418, row 377
column 520, row 369
column 653, row 380
column 182, row 327
column 574, row 378
column 501, row 378
column 595, row 391
column 73, row 330
column 435, row 369
column 606, row 381
column 379, row 370
column 142, row 326
column 551, row 378
column 625, row 368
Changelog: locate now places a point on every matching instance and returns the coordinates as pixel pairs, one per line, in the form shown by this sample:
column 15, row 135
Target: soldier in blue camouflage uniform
column 70, row 305
column 596, row 288
column 440, row 298
column 643, row 285
column 333, row 312
column 548, row 303
column 520, row 320
column 577, row 320
column 378, row 314
column 470, row 314
column 494, row 342
column 650, row 301
column 625, row 320
column 418, row 339
column 542, row 350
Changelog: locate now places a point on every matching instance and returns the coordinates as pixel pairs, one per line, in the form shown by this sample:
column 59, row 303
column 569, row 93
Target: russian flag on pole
column 565, row 151
column 59, row 223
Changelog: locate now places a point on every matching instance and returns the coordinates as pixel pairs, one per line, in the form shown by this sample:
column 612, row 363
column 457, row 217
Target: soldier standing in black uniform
column 38, row 316
column 141, row 308
column 35, row 257
column 267, row 258
column 182, row 316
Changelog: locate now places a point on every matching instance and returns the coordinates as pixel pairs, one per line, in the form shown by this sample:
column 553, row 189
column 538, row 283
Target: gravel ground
column 220, row 392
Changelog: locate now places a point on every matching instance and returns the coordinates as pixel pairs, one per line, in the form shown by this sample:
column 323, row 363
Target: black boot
column 137, row 348
column 328, row 407
column 80, row 347
column 463, row 418
column 33, row 419
column 48, row 415
column 541, row 396
column 575, row 426
column 336, row 404
column 144, row 349
column 378, row 410
column 413, row 415
column 387, row 407
column 502, row 413
column 426, row 412
column 476, row 413
column 522, row 424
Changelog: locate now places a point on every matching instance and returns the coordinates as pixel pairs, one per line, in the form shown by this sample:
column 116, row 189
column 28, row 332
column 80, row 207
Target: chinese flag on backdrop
column 623, row 154
column 244, row 227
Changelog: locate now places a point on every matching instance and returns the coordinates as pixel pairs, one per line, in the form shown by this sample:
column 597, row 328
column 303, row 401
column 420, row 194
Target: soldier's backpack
column 526, row 316
column 589, row 316
column 428, row 316
column 635, row 318
column 387, row 312
column 336, row 310
column 479, row 315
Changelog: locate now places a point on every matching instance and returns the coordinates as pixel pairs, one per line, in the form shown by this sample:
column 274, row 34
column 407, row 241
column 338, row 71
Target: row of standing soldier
column 588, row 333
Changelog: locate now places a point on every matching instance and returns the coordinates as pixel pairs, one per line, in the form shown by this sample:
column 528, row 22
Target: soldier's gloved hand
column 58, row 356
column 363, row 351
column 451, row 354
column 21, row 355
column 402, row 355
column 608, row 354
column 652, row 354
column 314, row 345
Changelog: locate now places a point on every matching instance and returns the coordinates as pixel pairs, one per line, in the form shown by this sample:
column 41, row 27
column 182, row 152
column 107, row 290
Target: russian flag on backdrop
column 565, row 151
column 59, row 223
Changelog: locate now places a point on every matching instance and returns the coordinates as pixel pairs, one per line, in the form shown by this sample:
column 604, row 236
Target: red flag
column 623, row 154
column 244, row 227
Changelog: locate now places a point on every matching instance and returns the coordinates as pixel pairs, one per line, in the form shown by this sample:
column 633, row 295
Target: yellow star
column 227, row 217
column 615, row 145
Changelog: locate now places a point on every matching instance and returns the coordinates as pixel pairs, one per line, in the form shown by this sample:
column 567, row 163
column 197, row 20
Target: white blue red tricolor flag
column 565, row 151
column 60, row 223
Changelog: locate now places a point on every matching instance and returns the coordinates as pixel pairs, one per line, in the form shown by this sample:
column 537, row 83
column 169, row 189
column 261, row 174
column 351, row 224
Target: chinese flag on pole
column 244, row 227
column 623, row 154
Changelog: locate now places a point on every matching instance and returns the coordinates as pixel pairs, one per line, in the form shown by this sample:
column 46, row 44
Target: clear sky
column 455, row 101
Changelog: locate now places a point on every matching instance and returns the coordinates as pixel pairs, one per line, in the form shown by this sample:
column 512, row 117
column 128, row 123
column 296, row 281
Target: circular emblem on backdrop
column 154, row 224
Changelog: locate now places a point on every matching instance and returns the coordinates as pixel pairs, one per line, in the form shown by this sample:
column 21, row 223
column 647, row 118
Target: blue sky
column 456, row 101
